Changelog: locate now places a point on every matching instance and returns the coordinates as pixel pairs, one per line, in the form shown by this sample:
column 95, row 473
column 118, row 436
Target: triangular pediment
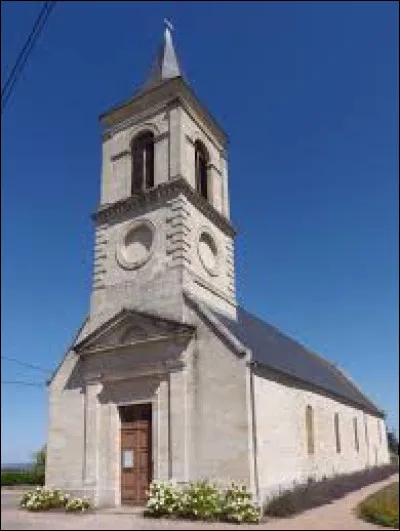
column 129, row 327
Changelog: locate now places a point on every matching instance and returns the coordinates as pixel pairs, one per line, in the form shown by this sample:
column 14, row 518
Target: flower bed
column 42, row 499
column 201, row 501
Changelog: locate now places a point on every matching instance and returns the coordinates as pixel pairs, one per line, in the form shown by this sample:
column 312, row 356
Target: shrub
column 238, row 507
column 77, row 504
column 382, row 507
column 21, row 477
column 42, row 499
column 200, row 501
column 163, row 499
column 40, row 462
column 315, row 493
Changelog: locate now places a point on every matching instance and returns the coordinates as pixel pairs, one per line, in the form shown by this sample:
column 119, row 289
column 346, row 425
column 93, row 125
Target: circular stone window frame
column 122, row 261
column 213, row 271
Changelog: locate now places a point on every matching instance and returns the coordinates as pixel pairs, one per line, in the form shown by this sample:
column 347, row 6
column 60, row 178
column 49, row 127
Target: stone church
column 168, row 377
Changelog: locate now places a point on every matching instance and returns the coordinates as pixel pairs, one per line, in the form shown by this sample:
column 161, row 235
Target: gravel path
column 337, row 515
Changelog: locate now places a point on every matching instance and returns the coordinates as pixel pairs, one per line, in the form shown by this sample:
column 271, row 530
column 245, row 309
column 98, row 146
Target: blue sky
column 308, row 93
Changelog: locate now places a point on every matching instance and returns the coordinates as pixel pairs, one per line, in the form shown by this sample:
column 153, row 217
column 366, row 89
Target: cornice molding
column 189, row 139
column 120, row 155
column 212, row 288
column 138, row 118
column 164, row 191
column 212, row 166
column 161, row 136
column 179, row 337
column 170, row 94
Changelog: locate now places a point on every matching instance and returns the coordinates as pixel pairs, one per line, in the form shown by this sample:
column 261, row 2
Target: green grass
column 382, row 507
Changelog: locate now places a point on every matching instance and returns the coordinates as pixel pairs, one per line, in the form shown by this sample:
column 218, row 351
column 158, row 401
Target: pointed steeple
column 166, row 65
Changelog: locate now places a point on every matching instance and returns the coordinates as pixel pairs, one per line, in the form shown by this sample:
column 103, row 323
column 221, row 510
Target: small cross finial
column 168, row 24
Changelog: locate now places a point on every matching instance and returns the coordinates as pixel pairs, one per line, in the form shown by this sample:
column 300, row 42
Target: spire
column 166, row 65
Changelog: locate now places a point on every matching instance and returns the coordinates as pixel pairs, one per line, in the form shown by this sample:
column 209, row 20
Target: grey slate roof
column 272, row 348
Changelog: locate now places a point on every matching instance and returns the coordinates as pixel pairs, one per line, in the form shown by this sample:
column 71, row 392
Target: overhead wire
column 20, row 382
column 25, row 52
column 26, row 364
column 6, row 93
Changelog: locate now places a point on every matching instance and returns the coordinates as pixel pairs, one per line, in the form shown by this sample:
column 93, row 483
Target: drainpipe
column 252, row 364
column 169, row 429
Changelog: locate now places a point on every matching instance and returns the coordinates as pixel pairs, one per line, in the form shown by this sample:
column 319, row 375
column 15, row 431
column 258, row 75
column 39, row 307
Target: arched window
column 201, row 162
column 310, row 430
column 142, row 149
column 356, row 442
column 337, row 433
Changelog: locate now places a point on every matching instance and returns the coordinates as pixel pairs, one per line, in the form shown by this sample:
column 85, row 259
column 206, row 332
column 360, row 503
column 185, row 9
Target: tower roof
column 166, row 81
column 166, row 65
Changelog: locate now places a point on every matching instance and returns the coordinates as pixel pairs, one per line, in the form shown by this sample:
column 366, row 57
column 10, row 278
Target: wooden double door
column 136, row 456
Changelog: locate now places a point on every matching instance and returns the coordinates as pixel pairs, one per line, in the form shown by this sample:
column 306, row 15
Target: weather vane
column 168, row 24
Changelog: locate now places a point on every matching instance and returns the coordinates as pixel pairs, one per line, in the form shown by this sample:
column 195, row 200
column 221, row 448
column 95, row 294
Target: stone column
column 91, row 436
column 188, row 160
column 225, row 190
column 161, row 143
column 215, row 187
column 162, row 467
column 178, row 403
column 120, row 185
column 174, row 141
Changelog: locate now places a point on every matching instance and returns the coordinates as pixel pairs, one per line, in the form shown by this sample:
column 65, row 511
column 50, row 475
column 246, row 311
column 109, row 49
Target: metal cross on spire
column 166, row 65
column 168, row 24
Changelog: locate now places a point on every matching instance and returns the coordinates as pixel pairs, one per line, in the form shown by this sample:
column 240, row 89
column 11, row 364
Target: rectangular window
column 337, row 433
column 310, row 430
column 356, row 442
column 379, row 430
column 366, row 430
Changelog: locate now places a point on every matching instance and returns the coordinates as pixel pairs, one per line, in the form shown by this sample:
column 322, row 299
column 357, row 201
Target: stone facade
column 183, row 379
column 160, row 256
column 203, row 424
column 282, row 437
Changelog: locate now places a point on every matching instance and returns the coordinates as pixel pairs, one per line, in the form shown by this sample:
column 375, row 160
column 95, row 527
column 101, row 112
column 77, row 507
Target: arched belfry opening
column 201, row 169
column 142, row 151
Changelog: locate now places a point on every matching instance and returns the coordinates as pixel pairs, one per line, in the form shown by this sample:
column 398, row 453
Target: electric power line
column 20, row 382
column 25, row 364
column 17, row 374
column 24, row 48
column 25, row 53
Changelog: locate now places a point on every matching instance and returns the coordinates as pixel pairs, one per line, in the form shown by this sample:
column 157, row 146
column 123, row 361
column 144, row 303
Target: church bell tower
column 163, row 224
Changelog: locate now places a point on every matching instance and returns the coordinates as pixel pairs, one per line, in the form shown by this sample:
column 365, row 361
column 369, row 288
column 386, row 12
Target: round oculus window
column 135, row 247
column 208, row 252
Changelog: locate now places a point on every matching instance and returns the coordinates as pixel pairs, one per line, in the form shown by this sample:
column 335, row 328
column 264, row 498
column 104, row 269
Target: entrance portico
column 135, row 428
